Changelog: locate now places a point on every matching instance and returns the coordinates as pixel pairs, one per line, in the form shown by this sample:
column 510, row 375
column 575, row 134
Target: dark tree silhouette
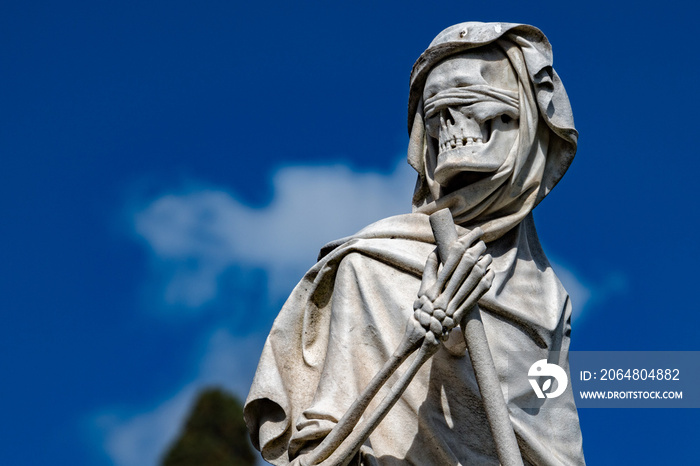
column 214, row 434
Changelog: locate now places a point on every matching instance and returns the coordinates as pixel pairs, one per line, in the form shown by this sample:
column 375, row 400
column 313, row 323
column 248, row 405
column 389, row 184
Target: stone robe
column 347, row 316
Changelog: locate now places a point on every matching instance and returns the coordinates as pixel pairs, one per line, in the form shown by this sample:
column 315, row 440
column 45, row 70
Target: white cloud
column 141, row 438
column 198, row 235
column 584, row 294
column 579, row 293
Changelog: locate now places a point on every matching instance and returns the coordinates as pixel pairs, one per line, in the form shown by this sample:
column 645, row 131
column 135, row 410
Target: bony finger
column 417, row 313
column 427, row 305
column 417, row 325
column 476, row 274
column 466, row 241
column 433, row 292
column 448, row 323
column 435, row 326
column 425, row 320
column 474, row 251
column 423, row 303
column 470, row 237
column 479, row 291
column 471, row 256
column 488, row 278
column 429, row 272
column 457, row 252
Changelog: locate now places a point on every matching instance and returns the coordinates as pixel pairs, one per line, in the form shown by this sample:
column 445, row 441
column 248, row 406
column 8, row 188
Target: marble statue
column 394, row 351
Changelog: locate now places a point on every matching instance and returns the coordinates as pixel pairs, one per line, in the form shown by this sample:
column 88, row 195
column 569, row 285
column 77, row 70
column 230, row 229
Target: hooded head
column 490, row 124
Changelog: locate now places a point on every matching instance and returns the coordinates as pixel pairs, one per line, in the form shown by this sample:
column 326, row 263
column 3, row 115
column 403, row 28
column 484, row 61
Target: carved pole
column 480, row 355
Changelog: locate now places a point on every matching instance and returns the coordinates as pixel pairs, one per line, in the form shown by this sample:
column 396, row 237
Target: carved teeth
column 459, row 142
column 455, row 141
column 458, row 129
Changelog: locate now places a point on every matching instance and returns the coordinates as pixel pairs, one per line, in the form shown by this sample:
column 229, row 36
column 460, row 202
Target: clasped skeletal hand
column 449, row 290
column 446, row 293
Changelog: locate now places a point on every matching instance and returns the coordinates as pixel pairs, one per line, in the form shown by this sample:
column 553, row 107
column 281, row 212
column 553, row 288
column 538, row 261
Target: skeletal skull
column 471, row 110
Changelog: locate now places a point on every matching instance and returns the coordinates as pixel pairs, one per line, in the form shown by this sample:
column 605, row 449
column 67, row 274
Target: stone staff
column 480, row 355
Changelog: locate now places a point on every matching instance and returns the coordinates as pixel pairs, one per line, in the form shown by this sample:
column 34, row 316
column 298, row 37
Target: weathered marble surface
column 491, row 133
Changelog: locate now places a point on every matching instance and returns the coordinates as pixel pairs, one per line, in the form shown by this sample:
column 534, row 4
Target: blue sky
column 171, row 169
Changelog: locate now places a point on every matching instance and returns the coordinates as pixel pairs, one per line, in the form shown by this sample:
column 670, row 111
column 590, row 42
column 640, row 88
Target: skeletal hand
column 448, row 292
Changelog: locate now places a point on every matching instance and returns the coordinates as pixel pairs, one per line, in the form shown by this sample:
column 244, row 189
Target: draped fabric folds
column 348, row 314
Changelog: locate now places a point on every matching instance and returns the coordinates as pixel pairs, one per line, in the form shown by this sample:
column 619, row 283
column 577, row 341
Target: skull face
column 471, row 115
